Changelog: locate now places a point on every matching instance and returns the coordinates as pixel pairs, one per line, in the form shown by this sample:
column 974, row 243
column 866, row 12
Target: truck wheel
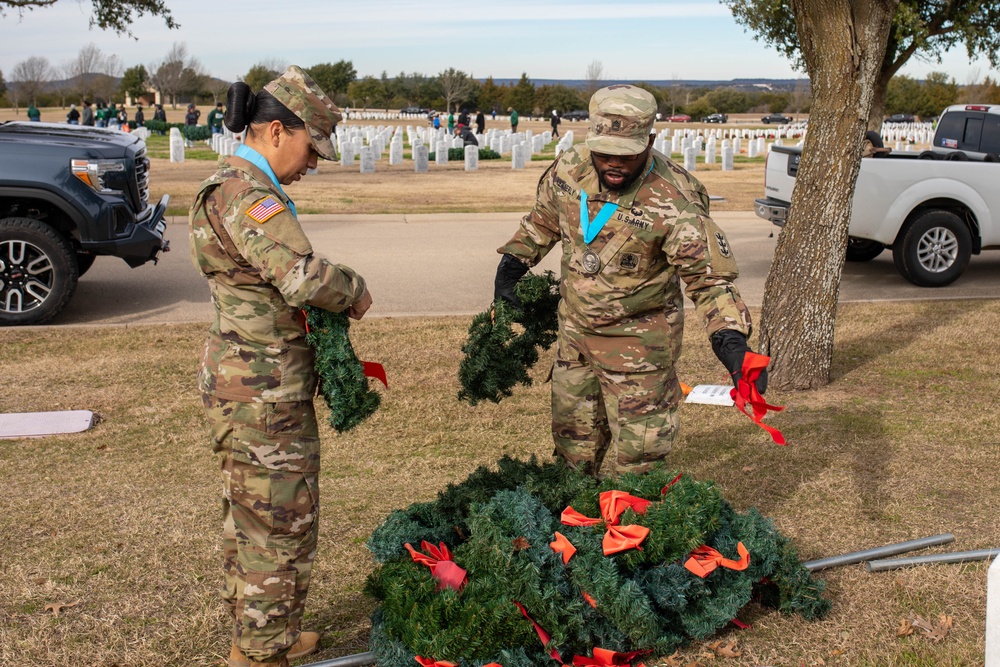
column 38, row 272
column 863, row 250
column 933, row 250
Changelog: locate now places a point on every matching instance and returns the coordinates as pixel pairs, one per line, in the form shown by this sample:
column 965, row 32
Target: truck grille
column 142, row 177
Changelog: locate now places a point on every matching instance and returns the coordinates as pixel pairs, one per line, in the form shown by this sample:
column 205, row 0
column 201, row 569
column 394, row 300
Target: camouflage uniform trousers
column 625, row 421
column 270, row 519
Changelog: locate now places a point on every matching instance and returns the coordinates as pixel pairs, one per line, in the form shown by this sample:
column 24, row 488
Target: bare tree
column 455, row 85
column 31, row 75
column 84, row 70
column 676, row 93
column 843, row 46
column 177, row 74
column 594, row 78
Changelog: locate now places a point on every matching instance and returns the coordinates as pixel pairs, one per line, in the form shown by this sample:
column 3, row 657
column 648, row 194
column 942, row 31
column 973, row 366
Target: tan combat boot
column 307, row 643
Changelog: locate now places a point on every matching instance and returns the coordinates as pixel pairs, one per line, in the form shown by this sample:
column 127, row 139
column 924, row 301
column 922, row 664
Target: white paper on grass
column 711, row 394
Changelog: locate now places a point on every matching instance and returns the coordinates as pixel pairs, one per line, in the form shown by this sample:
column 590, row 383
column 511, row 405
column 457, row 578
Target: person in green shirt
column 34, row 115
column 215, row 117
column 513, row 119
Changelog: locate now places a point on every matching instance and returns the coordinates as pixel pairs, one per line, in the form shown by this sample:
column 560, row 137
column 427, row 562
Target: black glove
column 510, row 270
column 730, row 346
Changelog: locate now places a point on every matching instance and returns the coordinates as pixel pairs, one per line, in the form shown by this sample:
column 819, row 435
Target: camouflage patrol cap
column 621, row 118
column 297, row 91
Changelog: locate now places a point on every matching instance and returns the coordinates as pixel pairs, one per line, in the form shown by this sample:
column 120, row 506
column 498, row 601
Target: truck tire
column 863, row 250
column 38, row 272
column 933, row 249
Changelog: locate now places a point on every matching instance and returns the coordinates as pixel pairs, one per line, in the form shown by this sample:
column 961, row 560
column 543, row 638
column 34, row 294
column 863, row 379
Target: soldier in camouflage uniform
column 256, row 375
column 634, row 227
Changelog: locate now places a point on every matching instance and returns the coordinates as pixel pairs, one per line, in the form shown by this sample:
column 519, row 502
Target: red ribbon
column 671, row 483
column 563, row 546
column 617, row 538
column 544, row 636
column 605, row 658
column 704, row 560
column 746, row 392
column 428, row 662
column 375, row 370
column 443, row 568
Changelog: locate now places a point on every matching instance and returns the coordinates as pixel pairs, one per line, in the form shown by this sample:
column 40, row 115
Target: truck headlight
column 105, row 176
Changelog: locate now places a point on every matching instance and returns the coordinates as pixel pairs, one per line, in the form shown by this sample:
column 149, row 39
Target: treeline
column 180, row 78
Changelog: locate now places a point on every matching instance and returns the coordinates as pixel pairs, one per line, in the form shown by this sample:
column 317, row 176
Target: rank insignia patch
column 265, row 209
column 723, row 244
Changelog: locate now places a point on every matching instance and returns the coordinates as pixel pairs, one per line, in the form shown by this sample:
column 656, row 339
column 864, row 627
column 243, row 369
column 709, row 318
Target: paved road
column 444, row 264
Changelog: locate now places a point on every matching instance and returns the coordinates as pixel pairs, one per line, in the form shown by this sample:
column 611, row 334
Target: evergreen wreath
column 342, row 380
column 498, row 524
column 496, row 358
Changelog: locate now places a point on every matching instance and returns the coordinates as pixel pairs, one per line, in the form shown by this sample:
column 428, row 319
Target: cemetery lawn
column 122, row 522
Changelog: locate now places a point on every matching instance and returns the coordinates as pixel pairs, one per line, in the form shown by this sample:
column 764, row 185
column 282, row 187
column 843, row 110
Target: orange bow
column 746, row 392
column 617, row 538
column 704, row 560
column 605, row 658
column 428, row 662
column 542, row 635
column 563, row 546
column 443, row 568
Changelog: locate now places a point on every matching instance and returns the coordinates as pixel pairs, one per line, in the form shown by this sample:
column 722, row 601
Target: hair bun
column 240, row 105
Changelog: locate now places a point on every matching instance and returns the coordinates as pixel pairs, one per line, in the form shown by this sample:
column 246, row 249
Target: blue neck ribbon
column 259, row 161
column 592, row 229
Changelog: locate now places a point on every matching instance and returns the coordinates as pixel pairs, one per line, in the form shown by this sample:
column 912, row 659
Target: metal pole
column 356, row 660
column 878, row 552
column 954, row 557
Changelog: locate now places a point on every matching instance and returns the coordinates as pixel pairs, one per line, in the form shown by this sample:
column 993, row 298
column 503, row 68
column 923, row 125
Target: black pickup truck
column 68, row 194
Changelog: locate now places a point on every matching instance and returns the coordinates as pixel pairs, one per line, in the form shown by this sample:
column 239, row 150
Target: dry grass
column 125, row 518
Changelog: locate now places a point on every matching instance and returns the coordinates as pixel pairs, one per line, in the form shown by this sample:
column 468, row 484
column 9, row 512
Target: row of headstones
column 697, row 146
column 894, row 134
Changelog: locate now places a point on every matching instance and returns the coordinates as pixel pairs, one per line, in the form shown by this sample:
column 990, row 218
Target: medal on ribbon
column 591, row 261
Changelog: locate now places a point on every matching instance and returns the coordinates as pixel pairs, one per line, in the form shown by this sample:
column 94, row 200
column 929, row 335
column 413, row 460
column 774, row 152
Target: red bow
column 671, row 483
column 746, row 392
column 428, row 662
column 563, row 546
column 544, row 636
column 604, row 657
column 443, row 568
column 375, row 370
column 704, row 560
column 617, row 538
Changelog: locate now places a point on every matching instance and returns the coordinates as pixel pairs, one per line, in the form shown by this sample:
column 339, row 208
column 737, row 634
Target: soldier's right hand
column 361, row 306
column 510, row 270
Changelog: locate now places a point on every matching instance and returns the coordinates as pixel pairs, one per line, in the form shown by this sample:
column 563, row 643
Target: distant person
column 140, row 117
column 468, row 138
column 101, row 115
column 34, row 115
column 436, row 122
column 122, row 116
column 112, row 116
column 480, row 122
column 513, row 119
column 555, row 120
column 191, row 117
column 215, row 117
column 73, row 117
column 463, row 118
column 494, row 113
column 159, row 114
column 87, row 117
column 451, row 122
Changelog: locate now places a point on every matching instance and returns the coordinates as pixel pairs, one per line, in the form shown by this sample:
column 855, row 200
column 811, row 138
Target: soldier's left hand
column 730, row 347
column 361, row 306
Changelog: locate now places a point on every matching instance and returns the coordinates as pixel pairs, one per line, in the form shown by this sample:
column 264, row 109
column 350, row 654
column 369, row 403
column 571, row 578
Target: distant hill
column 739, row 84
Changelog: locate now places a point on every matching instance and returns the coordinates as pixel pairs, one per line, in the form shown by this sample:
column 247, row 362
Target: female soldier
column 256, row 375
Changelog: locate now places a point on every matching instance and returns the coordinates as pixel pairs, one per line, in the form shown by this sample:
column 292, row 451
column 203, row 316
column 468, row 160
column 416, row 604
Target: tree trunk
column 843, row 44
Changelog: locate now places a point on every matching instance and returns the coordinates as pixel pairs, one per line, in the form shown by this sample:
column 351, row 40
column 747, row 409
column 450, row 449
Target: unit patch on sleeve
column 265, row 209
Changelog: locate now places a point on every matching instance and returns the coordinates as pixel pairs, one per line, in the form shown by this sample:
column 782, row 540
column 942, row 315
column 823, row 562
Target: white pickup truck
column 934, row 209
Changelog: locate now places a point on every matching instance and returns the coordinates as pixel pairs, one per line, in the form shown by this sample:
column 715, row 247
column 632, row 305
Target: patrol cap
column 621, row 119
column 297, row 91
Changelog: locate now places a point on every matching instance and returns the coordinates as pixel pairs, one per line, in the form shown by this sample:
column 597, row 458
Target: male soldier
column 632, row 225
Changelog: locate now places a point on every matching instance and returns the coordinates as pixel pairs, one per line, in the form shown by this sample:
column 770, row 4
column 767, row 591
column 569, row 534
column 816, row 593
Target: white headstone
column 347, row 155
column 517, row 157
column 367, row 160
column 752, row 148
column 420, row 159
column 471, row 158
column 176, row 146
column 993, row 615
column 710, row 152
column 441, row 152
column 727, row 157
column 396, row 152
column 689, row 158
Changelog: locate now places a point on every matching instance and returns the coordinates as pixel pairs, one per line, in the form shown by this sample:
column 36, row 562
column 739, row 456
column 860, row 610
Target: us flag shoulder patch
column 265, row 209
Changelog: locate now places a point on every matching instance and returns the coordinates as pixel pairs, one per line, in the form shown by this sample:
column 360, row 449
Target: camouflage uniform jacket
column 261, row 274
column 629, row 316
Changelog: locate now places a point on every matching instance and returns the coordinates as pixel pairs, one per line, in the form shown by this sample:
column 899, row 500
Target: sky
column 640, row 40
